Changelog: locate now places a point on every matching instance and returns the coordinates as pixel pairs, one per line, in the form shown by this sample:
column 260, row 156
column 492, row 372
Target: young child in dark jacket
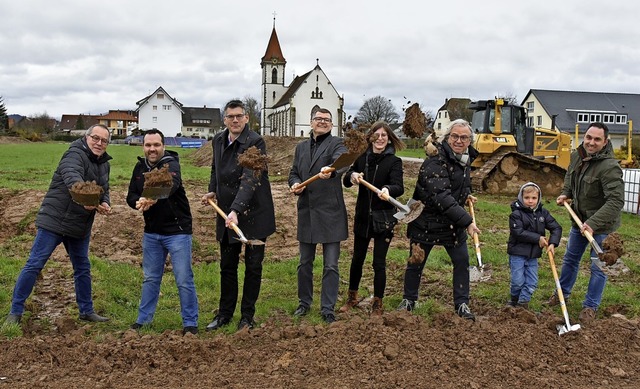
column 527, row 225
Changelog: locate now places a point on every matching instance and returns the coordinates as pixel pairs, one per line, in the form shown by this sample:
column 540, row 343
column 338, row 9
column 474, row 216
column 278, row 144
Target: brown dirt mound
column 415, row 123
column 158, row 178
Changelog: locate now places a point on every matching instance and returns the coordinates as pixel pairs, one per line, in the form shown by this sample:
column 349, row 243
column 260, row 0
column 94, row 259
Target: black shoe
column 136, row 326
column 190, row 330
column 246, row 323
column 329, row 318
column 218, row 322
column 13, row 319
column 513, row 302
column 465, row 313
column 301, row 311
column 93, row 317
column 406, row 305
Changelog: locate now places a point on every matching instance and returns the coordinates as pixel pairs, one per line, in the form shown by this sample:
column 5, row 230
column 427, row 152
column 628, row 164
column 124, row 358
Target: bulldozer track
column 527, row 168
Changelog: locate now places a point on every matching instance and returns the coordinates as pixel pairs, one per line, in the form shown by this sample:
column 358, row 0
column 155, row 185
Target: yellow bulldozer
column 512, row 154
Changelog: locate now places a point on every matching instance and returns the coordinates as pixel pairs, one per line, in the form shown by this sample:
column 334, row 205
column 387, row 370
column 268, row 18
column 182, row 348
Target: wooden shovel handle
column 586, row 233
column 225, row 217
column 311, row 179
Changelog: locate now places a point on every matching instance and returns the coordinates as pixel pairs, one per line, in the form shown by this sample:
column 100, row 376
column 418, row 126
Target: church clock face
column 275, row 60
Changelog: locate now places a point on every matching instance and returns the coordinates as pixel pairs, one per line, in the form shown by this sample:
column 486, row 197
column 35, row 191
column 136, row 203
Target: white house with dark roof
column 201, row 122
column 286, row 110
column 573, row 108
column 160, row 111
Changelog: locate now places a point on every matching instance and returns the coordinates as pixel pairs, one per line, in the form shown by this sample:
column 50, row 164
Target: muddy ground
column 504, row 348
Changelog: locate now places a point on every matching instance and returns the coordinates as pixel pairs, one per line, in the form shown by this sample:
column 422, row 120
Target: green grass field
column 117, row 286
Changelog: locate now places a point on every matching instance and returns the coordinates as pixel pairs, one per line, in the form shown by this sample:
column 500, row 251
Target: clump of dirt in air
column 158, row 178
column 417, row 254
column 415, row 123
column 355, row 141
column 86, row 193
column 613, row 247
column 253, row 159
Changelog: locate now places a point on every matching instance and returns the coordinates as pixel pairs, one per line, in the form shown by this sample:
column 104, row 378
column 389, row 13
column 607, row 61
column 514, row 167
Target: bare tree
column 253, row 110
column 4, row 119
column 377, row 108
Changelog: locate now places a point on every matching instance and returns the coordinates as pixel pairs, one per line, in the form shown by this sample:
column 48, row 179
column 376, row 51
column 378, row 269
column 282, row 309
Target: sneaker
column 13, row 319
column 246, row 323
column 406, row 305
column 554, row 300
column 587, row 315
column 301, row 311
column 136, row 326
column 464, row 312
column 523, row 305
column 190, row 330
column 93, row 317
column 329, row 318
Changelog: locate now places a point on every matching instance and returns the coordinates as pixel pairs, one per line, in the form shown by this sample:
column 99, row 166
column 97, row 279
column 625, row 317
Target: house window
column 530, row 121
column 274, row 95
column 155, row 107
column 583, row 118
column 160, row 96
column 621, row 119
column 608, row 118
column 439, row 126
column 530, row 106
column 439, row 115
column 155, row 119
column 166, row 108
column 594, row 117
column 539, row 120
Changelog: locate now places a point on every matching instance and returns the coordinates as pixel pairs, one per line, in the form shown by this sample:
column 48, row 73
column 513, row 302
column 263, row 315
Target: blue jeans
column 43, row 245
column 330, row 275
column 571, row 264
column 155, row 248
column 524, row 277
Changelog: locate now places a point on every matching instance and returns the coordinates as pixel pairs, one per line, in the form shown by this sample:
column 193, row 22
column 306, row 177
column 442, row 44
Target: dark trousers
column 459, row 257
column 381, row 244
column 229, row 259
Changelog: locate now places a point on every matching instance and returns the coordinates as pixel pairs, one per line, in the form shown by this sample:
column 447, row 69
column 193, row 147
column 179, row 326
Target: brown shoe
column 587, row 315
column 352, row 301
column 554, row 301
column 376, row 307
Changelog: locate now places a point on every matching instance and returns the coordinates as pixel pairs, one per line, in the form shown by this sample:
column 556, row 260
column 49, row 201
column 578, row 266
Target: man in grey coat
column 322, row 216
column 61, row 220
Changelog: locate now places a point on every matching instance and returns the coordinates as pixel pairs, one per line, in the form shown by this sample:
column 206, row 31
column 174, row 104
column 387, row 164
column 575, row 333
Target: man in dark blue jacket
column 244, row 195
column 61, row 220
column 167, row 230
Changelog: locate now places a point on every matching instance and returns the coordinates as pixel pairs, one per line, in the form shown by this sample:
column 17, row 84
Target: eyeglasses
column 234, row 117
column 98, row 139
column 320, row 120
column 463, row 138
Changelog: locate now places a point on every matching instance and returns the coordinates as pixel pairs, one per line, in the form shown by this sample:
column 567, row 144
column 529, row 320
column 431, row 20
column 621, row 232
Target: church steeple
column 273, row 54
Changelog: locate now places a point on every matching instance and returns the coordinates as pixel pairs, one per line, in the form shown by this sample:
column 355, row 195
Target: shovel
column 343, row 160
column 406, row 213
column 562, row 328
column 241, row 237
column 596, row 247
column 156, row 193
column 476, row 274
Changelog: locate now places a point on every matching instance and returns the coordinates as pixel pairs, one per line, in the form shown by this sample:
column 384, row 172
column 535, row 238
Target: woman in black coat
column 443, row 186
column 374, row 219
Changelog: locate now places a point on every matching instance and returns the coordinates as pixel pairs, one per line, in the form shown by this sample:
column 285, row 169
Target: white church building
column 286, row 110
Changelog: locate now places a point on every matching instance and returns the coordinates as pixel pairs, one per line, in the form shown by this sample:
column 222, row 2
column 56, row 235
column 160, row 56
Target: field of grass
column 117, row 286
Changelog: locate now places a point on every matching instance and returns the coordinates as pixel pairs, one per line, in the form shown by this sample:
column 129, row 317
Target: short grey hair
column 456, row 123
column 90, row 130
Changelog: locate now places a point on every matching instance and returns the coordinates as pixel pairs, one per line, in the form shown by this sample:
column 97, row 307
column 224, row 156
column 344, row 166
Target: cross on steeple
column 274, row 19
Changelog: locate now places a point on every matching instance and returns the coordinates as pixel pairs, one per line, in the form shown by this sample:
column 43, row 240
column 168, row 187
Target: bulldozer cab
column 498, row 125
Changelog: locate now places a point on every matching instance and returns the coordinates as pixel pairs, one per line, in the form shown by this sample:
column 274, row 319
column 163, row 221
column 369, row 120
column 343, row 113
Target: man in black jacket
column 244, row 195
column 61, row 220
column 167, row 230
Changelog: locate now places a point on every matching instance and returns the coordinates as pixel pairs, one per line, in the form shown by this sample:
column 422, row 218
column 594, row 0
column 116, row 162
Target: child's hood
column 528, row 184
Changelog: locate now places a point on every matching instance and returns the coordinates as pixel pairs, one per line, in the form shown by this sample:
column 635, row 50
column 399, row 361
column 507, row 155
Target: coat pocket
column 383, row 220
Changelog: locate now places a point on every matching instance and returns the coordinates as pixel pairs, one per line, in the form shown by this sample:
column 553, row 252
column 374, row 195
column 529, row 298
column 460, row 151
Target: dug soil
column 504, row 348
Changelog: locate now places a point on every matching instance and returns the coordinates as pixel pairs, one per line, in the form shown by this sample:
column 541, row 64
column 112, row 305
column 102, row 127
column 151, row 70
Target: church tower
column 273, row 65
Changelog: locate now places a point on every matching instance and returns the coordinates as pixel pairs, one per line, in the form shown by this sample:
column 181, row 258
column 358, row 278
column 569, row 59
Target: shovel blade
column 563, row 328
column 156, row 193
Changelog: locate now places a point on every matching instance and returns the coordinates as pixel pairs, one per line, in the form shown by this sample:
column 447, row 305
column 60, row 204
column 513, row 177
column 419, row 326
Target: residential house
column 201, row 122
column 452, row 109
column 160, row 111
column 120, row 123
column 286, row 110
column 574, row 109
column 77, row 124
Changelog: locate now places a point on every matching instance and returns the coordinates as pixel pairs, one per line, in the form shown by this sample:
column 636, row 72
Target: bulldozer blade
column 415, row 209
column 563, row 329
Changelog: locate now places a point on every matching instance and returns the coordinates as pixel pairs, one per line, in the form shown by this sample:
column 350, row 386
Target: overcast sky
column 67, row 56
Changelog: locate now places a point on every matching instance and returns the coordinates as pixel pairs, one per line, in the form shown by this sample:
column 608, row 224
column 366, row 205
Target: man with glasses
column 245, row 197
column 322, row 216
column 61, row 220
column 443, row 187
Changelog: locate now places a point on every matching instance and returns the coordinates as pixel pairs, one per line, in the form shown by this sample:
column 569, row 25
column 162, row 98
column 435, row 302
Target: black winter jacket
column 526, row 226
column 239, row 189
column 58, row 213
column 380, row 170
column 443, row 187
column 170, row 216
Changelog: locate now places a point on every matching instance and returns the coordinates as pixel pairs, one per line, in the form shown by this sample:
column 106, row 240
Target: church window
column 274, row 76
